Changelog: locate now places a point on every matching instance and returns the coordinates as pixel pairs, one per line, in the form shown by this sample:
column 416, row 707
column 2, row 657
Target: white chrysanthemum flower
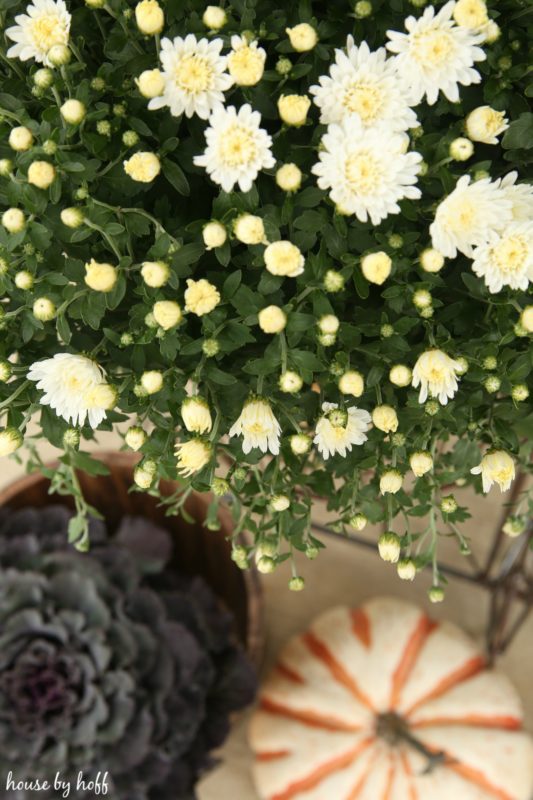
column 336, row 431
column 366, row 169
column 258, row 427
column 520, row 195
column 195, row 76
column 364, row 83
column 68, row 382
column 436, row 374
column 436, row 55
column 506, row 259
column 496, row 467
column 45, row 24
column 192, row 456
column 465, row 218
column 237, row 148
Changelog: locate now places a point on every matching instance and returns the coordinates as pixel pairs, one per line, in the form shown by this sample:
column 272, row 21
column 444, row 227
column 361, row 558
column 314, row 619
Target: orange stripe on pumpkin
column 289, row 673
column 272, row 755
column 308, row 717
column 360, row 785
column 476, row 720
column 479, row 779
column 361, row 627
column 390, row 781
column 467, row 670
column 318, row 775
column 413, row 794
column 337, row 670
column 409, row 657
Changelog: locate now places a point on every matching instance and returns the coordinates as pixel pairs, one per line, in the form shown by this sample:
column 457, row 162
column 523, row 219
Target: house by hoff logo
column 96, row 784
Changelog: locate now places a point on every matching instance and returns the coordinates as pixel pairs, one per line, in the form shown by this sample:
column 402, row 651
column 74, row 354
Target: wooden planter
column 197, row 551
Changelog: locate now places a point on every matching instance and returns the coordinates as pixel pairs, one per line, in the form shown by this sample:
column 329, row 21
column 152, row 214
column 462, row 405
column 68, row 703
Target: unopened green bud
column 296, row 584
column 71, row 438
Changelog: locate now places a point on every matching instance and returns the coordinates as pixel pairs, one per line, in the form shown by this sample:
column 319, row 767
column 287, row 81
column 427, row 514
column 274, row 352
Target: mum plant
column 291, row 245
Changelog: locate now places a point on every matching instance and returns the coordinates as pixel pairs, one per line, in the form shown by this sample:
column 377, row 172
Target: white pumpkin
column 380, row 703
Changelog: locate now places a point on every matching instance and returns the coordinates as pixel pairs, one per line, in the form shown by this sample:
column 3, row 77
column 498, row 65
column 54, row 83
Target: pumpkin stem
column 395, row 731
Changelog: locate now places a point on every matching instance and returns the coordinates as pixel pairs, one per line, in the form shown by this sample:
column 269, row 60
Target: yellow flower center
column 73, row 383
column 238, row 146
column 363, row 99
column 194, row 74
column 363, row 172
column 503, row 475
column 432, row 48
column 462, row 216
column 510, row 254
column 46, row 31
column 256, row 428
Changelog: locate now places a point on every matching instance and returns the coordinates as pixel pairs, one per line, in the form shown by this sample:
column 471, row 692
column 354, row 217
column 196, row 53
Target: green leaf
column 63, row 329
column 519, row 134
column 175, row 175
column 231, row 284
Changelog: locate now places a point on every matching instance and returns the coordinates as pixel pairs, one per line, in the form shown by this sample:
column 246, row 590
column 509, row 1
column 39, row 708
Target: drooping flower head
column 192, row 456
column 436, row 374
column 465, row 218
column 366, row 84
column 258, row 427
column 366, row 170
column 45, row 24
column 337, row 430
column 237, row 148
column 496, row 466
column 195, row 76
column 506, row 259
column 436, row 55
column 69, row 382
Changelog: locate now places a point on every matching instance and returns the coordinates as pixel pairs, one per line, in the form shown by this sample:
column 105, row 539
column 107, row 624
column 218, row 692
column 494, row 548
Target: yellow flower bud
column 293, row 109
column 214, row 18
column 72, row 111
column 385, row 418
column 284, row 259
column 100, row 277
column 421, row 463
column 400, row 375
column 484, row 124
column 390, row 482
column 302, row 37
column 196, row 415
column 13, row 220
column 152, row 381
column 214, row 235
column 352, row 382
column 249, row 229
column 290, row 382
column 44, row 309
column 526, row 319
column 376, row 267
column 10, row 440
column 155, row 273
column 72, row 217
column 150, row 83
column 149, row 17
column 461, row 149
column 143, row 167
column 289, row 177
column 135, row 437
column 167, row 314
column 328, row 324
column 41, row 174
column 272, row 319
column 201, row 297
column 470, row 13
column 20, row 138
column 431, row 260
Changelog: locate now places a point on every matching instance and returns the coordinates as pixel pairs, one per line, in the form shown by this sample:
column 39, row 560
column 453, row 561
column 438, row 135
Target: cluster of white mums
column 76, row 388
column 366, row 101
